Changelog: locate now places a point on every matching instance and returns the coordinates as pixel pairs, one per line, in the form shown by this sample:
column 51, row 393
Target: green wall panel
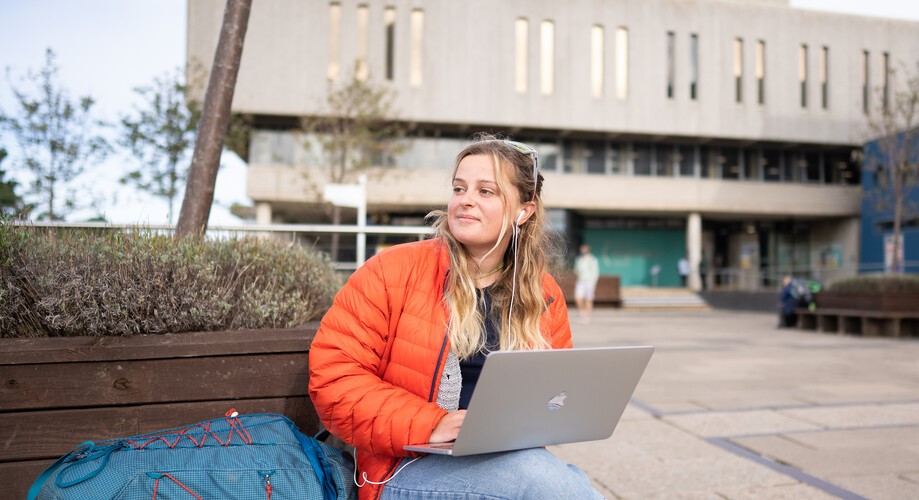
column 631, row 254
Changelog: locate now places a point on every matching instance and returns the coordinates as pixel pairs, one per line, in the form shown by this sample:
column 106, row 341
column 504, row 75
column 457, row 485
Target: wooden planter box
column 881, row 302
column 59, row 392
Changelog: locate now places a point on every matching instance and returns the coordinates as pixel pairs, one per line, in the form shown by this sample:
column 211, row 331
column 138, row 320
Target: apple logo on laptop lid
column 557, row 401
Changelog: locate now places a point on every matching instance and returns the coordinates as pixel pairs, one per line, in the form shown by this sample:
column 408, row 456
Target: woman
column 396, row 357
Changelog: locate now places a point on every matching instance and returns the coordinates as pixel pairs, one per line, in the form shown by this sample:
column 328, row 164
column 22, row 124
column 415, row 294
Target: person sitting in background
column 789, row 301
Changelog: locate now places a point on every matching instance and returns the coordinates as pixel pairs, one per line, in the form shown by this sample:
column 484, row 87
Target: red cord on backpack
column 176, row 481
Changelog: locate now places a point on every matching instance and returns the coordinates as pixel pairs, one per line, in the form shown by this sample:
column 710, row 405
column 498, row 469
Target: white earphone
column 522, row 213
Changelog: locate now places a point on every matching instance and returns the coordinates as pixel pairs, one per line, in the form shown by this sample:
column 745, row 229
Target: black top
column 472, row 367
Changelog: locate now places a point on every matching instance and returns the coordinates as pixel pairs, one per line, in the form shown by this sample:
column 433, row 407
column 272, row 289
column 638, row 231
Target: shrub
column 877, row 283
column 121, row 282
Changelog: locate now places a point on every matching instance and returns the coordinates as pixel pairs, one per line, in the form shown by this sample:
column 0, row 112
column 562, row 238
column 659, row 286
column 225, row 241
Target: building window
column 686, row 159
column 596, row 61
column 671, row 64
column 885, row 82
column 361, row 70
column 595, row 156
column 334, row 69
column 666, row 160
column 417, row 22
column 866, row 82
column 825, row 77
column 547, row 57
column 761, row 72
column 693, row 66
column 622, row 63
column 642, row 158
column 618, row 157
column 730, row 159
column 771, row 163
column 389, row 21
column 752, row 165
column 738, row 69
column 521, row 31
column 802, row 74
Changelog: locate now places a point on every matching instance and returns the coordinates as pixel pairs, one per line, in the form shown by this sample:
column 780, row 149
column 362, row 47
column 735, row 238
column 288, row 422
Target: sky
column 106, row 48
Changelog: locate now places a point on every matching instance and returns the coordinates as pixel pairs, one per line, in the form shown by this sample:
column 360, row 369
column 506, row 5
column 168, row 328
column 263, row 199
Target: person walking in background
column 587, row 270
column 683, row 268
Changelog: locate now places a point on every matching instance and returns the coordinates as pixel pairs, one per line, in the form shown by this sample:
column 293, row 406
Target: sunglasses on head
column 527, row 149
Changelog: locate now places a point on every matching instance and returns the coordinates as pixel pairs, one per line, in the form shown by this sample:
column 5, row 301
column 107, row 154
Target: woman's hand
column 448, row 427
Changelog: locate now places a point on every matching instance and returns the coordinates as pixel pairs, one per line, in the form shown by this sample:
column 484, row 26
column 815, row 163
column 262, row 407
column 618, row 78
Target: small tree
column 357, row 126
column 56, row 137
column 159, row 134
column 11, row 204
column 895, row 162
column 215, row 120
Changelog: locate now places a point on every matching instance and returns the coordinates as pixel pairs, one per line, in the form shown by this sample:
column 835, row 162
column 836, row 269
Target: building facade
column 878, row 207
column 725, row 131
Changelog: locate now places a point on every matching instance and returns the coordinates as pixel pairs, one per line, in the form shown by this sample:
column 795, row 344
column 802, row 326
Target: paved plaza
column 731, row 407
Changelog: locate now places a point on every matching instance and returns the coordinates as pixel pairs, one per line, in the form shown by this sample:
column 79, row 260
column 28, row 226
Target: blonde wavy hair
column 521, row 332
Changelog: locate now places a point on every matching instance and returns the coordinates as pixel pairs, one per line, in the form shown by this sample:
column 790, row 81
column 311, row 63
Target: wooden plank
column 19, row 476
column 106, row 383
column 858, row 312
column 51, row 433
column 81, row 349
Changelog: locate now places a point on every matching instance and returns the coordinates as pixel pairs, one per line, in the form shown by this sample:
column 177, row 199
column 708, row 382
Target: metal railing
column 315, row 235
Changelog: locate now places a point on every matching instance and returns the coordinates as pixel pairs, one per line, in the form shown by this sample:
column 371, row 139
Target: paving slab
column 797, row 414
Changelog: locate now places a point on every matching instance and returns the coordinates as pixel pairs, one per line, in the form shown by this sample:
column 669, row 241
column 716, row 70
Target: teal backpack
column 260, row 456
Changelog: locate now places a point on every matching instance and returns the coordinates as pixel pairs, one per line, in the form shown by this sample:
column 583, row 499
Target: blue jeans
column 526, row 474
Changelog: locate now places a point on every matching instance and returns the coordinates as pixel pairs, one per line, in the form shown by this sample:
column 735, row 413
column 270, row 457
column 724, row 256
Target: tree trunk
column 897, row 215
column 215, row 120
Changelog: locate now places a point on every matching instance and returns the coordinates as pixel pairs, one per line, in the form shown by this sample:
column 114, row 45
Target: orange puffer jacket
column 376, row 361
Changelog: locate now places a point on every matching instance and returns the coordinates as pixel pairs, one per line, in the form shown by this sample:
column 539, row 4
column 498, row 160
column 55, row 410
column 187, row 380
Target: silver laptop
column 527, row 399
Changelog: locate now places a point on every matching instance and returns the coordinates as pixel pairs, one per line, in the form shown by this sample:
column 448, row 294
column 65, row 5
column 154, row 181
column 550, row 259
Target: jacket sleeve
column 556, row 326
column 352, row 401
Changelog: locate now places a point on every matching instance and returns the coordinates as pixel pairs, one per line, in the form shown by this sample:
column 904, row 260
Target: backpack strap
column 317, row 460
column 84, row 447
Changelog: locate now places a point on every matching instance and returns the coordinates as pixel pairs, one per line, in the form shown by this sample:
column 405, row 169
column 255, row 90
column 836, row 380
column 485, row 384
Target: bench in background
column 608, row 291
column 860, row 322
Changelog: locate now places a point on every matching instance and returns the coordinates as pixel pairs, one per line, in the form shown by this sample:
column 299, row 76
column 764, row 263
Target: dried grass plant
column 81, row 282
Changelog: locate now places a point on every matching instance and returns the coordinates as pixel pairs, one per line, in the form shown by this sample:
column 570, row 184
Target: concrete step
column 662, row 299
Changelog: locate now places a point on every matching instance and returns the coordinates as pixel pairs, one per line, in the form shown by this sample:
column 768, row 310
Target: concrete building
column 720, row 130
column 877, row 223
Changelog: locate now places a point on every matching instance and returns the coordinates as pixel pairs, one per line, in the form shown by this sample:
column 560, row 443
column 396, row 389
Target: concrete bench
column 860, row 322
column 59, row 392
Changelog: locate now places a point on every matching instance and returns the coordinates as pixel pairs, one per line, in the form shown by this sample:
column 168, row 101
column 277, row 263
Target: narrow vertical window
column 417, row 22
column 694, row 66
column 738, row 69
column 547, row 57
column 389, row 22
column 334, row 69
column 622, row 63
column 866, row 82
column 521, row 32
column 885, row 82
column 596, row 61
column 825, row 77
column 761, row 72
column 671, row 63
column 802, row 74
column 361, row 70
